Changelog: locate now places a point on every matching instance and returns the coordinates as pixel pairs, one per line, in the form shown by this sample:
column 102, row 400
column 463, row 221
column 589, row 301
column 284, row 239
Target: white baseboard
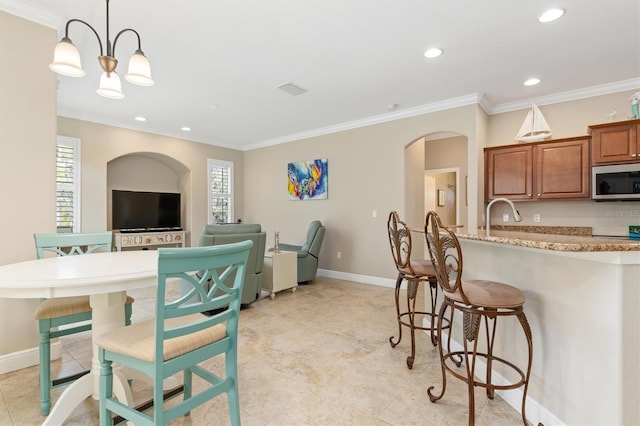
column 365, row 279
column 26, row 358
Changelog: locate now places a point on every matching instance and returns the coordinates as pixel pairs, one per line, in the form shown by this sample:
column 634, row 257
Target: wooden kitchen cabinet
column 557, row 169
column 615, row 143
column 562, row 169
column 509, row 172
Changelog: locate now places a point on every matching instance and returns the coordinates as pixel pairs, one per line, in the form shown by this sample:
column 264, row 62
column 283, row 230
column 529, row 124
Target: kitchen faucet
column 516, row 213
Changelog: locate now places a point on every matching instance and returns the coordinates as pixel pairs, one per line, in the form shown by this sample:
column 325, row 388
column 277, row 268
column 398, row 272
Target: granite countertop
column 572, row 239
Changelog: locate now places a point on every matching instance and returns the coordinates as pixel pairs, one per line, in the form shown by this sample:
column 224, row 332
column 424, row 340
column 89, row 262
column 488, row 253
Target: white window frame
column 75, row 186
column 211, row 163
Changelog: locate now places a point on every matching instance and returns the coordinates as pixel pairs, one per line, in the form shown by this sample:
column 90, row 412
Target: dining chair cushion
column 421, row 268
column 63, row 306
column 138, row 340
column 489, row 294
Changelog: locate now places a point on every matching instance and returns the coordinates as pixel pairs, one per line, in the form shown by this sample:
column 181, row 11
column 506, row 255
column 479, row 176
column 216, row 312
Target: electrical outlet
column 374, row 213
column 536, row 218
column 505, row 217
column 339, row 255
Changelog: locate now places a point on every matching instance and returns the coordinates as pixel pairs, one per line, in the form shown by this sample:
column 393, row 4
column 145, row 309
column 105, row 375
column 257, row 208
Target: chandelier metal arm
column 115, row 40
column 66, row 32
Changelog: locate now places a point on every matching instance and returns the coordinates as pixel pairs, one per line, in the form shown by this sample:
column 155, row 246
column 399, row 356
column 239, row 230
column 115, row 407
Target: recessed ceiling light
column 434, row 52
column 392, row 107
column 214, row 106
column 140, row 118
column 185, row 129
column 532, row 82
column 550, row 15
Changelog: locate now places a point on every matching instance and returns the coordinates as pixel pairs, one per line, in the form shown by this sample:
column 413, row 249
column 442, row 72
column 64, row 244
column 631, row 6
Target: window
column 67, row 184
column 220, row 191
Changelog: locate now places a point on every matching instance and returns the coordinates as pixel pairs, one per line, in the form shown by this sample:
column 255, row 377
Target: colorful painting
column 308, row 180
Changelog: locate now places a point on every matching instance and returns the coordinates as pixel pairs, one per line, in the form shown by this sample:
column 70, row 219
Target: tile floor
column 319, row 356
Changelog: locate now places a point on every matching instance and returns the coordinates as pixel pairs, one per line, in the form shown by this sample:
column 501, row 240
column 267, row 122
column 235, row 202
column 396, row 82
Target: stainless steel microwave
column 617, row 182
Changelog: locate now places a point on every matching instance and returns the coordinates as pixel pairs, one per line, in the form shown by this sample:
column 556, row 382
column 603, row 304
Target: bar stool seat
column 480, row 303
column 489, row 294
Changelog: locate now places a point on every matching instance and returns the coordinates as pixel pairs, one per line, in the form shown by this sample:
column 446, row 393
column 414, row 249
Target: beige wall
column 367, row 171
column 27, row 163
column 373, row 168
column 566, row 119
column 188, row 160
column 413, row 186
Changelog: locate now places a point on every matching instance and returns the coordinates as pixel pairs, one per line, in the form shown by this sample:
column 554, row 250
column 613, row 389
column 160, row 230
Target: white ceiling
column 354, row 57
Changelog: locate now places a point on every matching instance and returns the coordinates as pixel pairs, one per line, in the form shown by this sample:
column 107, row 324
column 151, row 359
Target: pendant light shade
column 66, row 59
column 139, row 70
column 110, row 86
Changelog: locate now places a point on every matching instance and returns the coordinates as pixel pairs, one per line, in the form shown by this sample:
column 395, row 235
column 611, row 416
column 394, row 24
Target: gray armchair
column 308, row 253
column 232, row 233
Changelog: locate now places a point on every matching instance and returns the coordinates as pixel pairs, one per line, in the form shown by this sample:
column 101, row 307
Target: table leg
column 72, row 396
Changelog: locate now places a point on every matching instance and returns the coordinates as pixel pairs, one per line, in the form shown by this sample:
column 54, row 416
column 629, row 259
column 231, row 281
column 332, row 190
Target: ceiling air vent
column 292, row 89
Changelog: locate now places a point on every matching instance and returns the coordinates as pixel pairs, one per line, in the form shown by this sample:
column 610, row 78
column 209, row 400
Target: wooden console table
column 148, row 239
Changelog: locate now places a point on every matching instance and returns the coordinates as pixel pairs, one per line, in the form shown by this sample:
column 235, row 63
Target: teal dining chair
column 72, row 313
column 182, row 335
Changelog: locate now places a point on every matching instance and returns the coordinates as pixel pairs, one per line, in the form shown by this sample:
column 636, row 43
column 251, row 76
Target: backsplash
column 576, row 231
column 605, row 218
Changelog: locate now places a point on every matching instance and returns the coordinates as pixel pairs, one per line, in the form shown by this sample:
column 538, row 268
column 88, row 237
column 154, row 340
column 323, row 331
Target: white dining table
column 105, row 278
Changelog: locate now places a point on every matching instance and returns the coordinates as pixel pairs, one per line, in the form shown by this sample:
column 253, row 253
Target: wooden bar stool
column 414, row 272
column 478, row 302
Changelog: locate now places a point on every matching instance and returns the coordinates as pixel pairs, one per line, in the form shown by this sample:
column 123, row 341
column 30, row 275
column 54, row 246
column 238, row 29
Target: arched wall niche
column 149, row 171
column 436, row 151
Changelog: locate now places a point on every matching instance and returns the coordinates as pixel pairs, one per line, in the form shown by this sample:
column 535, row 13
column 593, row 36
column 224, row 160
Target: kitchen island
column 583, row 305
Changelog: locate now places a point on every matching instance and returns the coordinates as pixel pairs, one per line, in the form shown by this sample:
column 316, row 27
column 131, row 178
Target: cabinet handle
column 633, row 155
column 528, row 195
column 539, row 195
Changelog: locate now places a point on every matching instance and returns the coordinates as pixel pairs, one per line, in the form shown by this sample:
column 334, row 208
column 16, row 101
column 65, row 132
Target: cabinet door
column 615, row 144
column 562, row 170
column 508, row 172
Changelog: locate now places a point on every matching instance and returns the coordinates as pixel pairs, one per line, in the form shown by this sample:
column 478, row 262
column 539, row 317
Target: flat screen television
column 138, row 211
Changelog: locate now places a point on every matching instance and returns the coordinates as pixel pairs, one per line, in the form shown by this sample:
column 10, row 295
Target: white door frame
column 455, row 170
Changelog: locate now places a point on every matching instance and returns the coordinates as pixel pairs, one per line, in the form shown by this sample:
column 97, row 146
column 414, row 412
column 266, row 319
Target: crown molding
column 30, row 13
column 571, row 95
column 140, row 128
column 377, row 119
column 480, row 99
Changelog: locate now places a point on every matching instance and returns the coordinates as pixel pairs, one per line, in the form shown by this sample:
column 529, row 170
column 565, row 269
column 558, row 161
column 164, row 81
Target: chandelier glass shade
column 66, row 61
column 110, row 86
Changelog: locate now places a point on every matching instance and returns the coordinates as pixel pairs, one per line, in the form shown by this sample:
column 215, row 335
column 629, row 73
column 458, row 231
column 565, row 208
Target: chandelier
column 66, row 61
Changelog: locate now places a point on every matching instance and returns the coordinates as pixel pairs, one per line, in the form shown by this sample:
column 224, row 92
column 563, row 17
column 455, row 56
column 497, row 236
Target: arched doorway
column 437, row 153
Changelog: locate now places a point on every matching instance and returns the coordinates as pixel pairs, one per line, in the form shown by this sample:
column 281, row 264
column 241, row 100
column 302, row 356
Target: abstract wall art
column 308, row 180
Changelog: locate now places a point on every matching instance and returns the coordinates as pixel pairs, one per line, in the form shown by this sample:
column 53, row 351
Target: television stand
column 145, row 240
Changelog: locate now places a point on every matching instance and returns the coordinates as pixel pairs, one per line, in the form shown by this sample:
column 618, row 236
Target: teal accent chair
column 309, row 252
column 182, row 334
column 59, row 311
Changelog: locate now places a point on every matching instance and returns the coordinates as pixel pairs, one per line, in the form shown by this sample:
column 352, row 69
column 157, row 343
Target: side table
column 280, row 271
